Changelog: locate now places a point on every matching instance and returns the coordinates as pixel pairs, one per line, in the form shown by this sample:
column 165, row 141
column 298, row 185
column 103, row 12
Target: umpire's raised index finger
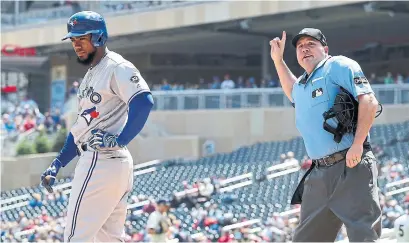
column 284, row 37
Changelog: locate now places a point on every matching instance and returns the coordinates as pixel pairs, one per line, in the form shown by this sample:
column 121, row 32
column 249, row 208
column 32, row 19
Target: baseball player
column 341, row 185
column 114, row 104
column 401, row 227
column 158, row 223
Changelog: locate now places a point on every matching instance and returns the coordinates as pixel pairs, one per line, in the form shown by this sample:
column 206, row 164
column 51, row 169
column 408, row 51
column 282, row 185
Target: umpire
column 341, row 185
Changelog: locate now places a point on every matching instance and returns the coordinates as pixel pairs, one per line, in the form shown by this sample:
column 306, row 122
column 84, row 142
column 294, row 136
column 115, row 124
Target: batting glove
column 48, row 176
column 102, row 140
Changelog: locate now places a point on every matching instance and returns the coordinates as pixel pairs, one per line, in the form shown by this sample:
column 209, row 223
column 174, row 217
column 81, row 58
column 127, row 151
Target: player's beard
column 87, row 61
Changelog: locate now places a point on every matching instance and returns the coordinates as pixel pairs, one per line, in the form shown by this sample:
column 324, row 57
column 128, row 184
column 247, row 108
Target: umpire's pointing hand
column 277, row 48
column 354, row 155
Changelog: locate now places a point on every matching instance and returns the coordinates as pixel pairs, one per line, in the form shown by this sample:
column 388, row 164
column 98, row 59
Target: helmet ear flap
column 98, row 39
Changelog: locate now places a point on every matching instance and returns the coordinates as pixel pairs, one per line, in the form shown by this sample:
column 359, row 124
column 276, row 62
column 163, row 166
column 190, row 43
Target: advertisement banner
column 58, row 87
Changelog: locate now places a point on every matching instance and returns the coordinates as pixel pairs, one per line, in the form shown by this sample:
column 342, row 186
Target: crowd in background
column 25, row 117
column 133, row 5
column 228, row 82
column 207, row 215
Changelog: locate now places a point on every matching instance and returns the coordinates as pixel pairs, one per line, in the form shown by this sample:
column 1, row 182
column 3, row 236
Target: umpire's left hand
column 354, row 155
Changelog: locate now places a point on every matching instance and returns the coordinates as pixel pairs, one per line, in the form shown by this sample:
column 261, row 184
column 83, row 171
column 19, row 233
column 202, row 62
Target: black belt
column 84, row 148
column 331, row 159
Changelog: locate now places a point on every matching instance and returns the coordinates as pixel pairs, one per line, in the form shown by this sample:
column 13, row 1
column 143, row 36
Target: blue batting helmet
column 88, row 22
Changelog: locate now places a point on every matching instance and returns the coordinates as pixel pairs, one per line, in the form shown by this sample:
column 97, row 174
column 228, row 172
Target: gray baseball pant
column 98, row 200
column 339, row 195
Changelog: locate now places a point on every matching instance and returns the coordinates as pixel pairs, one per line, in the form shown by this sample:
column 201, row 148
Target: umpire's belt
column 322, row 162
column 330, row 159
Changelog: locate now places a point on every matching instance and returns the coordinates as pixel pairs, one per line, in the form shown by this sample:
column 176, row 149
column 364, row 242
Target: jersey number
column 401, row 230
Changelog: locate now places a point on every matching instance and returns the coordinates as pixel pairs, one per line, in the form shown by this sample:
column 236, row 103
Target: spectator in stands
column 8, row 124
column 150, row 207
column 263, row 83
column 49, row 123
column 27, row 110
column 392, row 206
column 28, row 103
column 378, row 151
column 74, row 88
column 202, row 84
column 18, row 121
column 216, row 83
column 60, row 197
column 290, row 158
column 306, row 163
column 251, row 83
column 22, row 220
column 283, row 157
column 177, row 86
column 207, row 189
column 273, row 83
column 29, row 123
column 396, row 165
column 399, row 79
column 226, row 237
column 388, row 79
column 389, row 219
column 228, row 198
column 36, row 201
column 165, row 85
column 40, row 118
column 227, row 83
column 240, row 82
column 373, row 79
column 58, row 119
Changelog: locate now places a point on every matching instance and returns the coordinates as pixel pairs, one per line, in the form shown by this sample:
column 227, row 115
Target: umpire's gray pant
column 339, row 195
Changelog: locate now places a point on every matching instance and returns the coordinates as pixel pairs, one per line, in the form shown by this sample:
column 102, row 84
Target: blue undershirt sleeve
column 139, row 109
column 68, row 151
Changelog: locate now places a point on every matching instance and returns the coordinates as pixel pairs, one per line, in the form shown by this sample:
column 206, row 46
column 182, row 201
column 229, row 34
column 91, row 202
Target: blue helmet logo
column 88, row 22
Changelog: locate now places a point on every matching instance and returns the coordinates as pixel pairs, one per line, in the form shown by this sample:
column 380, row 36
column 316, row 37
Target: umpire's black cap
column 311, row 32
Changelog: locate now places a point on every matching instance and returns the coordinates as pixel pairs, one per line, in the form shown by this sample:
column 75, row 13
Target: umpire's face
column 310, row 52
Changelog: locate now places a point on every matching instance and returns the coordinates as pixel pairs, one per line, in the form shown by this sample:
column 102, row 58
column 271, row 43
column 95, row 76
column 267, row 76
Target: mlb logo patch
column 135, row 79
column 317, row 93
column 90, row 114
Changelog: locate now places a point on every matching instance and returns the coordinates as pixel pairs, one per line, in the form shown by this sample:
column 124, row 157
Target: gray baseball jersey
column 99, row 190
column 104, row 95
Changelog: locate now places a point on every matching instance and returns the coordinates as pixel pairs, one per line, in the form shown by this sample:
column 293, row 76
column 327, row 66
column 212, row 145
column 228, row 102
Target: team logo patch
column 135, row 79
column 360, row 80
column 73, row 22
column 317, row 93
column 90, row 114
